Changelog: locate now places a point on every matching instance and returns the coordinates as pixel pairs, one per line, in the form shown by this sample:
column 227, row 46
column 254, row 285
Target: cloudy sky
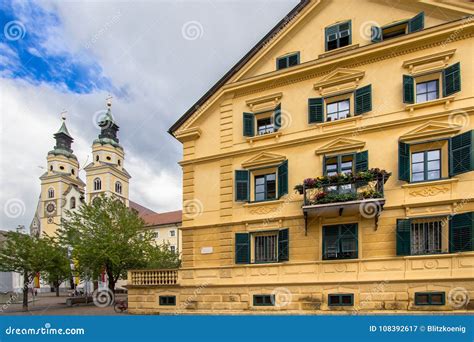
column 156, row 58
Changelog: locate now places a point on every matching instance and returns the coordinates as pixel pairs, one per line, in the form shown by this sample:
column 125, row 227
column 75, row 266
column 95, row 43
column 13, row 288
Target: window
column 263, row 300
column 288, row 61
column 172, row 233
column 262, row 247
column 73, row 203
column 155, row 235
column 73, row 172
column 338, row 35
column 173, row 249
column 51, row 168
column 108, row 158
column 97, row 184
column 168, row 300
column 337, row 110
column 398, row 28
column 265, row 126
column 427, row 91
column 341, row 164
column 50, row 193
column 61, row 167
column 97, row 158
column 268, row 121
column 341, row 299
column 426, row 165
column 261, row 184
column 340, row 242
column 426, row 236
column 265, row 247
column 119, row 162
column 339, row 107
column 265, row 187
column 430, row 298
column 118, row 187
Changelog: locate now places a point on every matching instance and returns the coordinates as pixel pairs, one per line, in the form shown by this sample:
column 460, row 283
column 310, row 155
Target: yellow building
column 331, row 169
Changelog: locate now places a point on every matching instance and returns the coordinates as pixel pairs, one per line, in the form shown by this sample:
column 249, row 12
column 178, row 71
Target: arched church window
column 50, row 193
column 97, row 184
column 96, row 158
column 118, row 187
column 119, row 162
column 73, row 202
column 51, row 168
column 72, row 171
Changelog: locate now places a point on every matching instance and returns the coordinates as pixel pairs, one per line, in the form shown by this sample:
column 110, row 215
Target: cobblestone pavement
column 49, row 304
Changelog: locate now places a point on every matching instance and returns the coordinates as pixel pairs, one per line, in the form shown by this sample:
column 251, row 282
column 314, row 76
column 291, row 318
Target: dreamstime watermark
column 284, row 120
column 95, row 37
column 98, row 119
column 192, row 30
column 456, row 33
column 191, row 298
column 14, row 30
column 366, row 30
column 46, row 330
column 379, row 288
column 281, row 297
column 370, row 209
column 14, row 208
column 103, row 297
column 458, row 297
column 459, row 118
column 192, row 208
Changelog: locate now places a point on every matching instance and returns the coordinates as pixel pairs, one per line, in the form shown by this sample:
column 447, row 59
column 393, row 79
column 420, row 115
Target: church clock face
column 50, row 208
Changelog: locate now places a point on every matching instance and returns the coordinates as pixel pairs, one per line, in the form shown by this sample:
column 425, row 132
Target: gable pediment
column 431, row 129
column 341, row 144
column 341, row 79
column 263, row 159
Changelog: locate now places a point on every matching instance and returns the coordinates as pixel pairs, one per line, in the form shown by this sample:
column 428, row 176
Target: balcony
column 344, row 194
column 166, row 277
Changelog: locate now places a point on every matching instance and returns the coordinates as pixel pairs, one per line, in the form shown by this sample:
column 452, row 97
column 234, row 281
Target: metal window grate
column 265, row 248
column 426, row 237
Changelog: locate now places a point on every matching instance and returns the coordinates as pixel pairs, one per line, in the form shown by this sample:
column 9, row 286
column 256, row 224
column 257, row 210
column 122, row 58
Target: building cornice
column 324, row 136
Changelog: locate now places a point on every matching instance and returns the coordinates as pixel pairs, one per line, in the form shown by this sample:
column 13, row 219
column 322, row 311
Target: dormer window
column 288, row 61
column 338, row 35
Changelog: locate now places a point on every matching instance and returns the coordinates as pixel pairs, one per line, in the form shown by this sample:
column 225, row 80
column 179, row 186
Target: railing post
column 304, row 194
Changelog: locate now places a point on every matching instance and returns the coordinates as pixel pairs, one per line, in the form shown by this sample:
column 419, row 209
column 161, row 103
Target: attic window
column 288, row 61
column 61, row 167
column 72, row 171
column 398, row 28
column 338, row 35
column 108, row 158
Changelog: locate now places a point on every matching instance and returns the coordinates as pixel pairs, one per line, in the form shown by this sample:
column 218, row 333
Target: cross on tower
column 109, row 100
column 63, row 115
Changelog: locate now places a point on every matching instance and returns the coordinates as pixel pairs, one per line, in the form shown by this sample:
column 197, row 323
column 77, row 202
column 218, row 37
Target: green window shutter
column 452, row 79
column 249, row 123
column 283, row 179
column 242, row 248
column 376, row 34
column 461, row 233
column 242, row 185
column 362, row 161
column 330, row 34
column 461, row 153
column 277, row 117
column 315, row 110
column 408, row 89
column 283, row 245
column 403, row 161
column 417, row 23
column 363, row 100
column 403, row 237
column 281, row 63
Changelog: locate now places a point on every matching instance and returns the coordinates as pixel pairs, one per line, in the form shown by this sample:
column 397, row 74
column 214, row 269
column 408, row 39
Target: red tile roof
column 163, row 218
column 142, row 211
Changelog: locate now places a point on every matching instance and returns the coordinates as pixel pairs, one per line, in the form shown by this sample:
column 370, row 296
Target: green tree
column 24, row 254
column 57, row 268
column 106, row 236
